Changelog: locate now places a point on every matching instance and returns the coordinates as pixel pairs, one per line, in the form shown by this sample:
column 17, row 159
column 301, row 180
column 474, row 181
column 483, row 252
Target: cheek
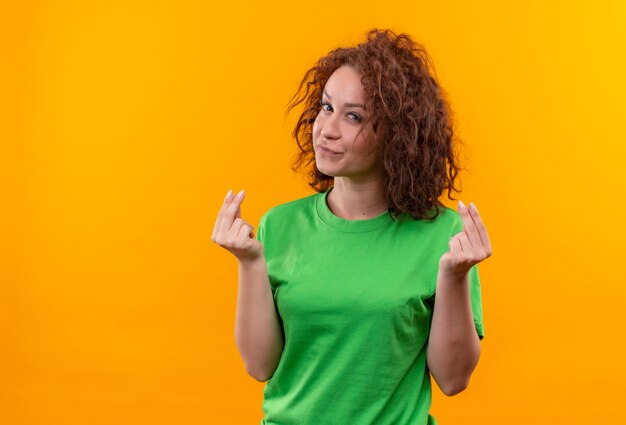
column 316, row 127
column 366, row 146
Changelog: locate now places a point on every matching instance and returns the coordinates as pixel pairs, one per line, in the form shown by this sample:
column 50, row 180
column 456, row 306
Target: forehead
column 345, row 85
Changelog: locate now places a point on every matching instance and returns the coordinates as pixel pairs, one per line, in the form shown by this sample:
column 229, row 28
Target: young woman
column 350, row 298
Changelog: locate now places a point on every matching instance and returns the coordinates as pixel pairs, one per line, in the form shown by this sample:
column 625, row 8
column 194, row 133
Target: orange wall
column 127, row 122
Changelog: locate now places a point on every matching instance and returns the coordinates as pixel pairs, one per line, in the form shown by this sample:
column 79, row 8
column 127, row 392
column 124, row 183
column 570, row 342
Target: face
column 345, row 129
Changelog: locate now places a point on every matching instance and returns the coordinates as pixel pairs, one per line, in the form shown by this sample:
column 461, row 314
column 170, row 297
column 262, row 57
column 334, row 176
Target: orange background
column 124, row 124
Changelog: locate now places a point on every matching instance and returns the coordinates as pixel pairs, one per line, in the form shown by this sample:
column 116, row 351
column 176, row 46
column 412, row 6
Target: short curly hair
column 409, row 113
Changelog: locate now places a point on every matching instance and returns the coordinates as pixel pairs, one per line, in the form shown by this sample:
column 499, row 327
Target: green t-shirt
column 355, row 300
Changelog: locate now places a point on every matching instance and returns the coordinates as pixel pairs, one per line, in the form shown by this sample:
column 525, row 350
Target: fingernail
column 228, row 194
column 473, row 206
column 240, row 194
column 461, row 204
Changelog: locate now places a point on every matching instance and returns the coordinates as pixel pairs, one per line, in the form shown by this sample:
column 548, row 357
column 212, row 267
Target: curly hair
column 409, row 113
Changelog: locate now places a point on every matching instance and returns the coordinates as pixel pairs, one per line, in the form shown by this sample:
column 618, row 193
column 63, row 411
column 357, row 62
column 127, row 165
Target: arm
column 258, row 335
column 453, row 345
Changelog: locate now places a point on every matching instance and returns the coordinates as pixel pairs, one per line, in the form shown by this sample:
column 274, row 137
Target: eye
column 356, row 117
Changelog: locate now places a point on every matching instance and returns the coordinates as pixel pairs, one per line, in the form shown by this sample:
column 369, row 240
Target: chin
column 325, row 171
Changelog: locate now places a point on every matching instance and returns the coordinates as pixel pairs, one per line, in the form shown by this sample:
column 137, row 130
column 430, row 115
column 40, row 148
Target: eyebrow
column 349, row 105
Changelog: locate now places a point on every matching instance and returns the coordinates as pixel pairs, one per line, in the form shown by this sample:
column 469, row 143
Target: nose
column 329, row 128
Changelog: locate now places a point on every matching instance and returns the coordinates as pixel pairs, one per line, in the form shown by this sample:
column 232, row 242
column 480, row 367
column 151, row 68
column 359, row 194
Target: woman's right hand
column 234, row 233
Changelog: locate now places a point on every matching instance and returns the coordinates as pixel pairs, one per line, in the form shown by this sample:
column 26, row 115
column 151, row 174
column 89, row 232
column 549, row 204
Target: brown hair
column 408, row 111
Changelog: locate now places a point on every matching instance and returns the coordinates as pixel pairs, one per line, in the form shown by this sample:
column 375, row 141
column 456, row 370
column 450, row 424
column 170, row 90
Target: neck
column 356, row 200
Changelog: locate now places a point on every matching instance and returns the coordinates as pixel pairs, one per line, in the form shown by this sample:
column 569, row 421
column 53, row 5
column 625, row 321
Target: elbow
column 258, row 376
column 454, row 388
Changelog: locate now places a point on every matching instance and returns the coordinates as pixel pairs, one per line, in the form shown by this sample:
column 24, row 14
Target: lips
column 324, row 148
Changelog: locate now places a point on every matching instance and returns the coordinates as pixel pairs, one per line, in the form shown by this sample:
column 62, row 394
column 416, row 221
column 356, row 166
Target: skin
column 258, row 334
column 234, row 233
column 453, row 346
column 357, row 190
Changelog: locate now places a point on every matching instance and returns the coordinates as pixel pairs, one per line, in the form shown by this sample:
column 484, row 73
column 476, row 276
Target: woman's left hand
column 468, row 247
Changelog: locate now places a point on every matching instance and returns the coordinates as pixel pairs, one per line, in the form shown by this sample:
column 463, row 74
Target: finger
column 238, row 210
column 244, row 234
column 220, row 214
column 235, row 205
column 464, row 242
column 469, row 227
column 482, row 230
column 455, row 246
column 230, row 212
column 250, row 227
column 234, row 230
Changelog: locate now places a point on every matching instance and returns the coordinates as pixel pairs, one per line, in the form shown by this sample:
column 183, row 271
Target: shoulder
column 291, row 209
column 451, row 216
column 448, row 221
column 452, row 220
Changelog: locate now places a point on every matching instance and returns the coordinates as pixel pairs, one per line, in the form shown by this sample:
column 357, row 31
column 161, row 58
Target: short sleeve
column 261, row 237
column 474, row 283
column 260, row 231
column 476, row 297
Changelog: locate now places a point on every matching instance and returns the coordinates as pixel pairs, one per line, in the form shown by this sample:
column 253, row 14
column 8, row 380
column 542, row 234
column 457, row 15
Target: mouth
column 326, row 150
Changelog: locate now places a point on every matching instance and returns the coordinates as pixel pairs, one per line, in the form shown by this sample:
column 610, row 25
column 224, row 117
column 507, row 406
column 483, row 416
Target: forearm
column 453, row 345
column 258, row 334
